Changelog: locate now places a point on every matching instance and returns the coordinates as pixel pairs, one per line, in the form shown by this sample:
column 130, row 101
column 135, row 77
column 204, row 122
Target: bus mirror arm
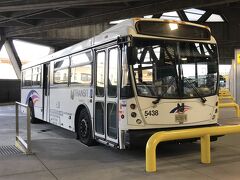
column 132, row 55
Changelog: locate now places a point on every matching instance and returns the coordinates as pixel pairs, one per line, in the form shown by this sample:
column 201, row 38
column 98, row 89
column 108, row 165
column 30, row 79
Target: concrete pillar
column 52, row 50
column 232, row 79
column 13, row 56
column 237, row 75
column 2, row 41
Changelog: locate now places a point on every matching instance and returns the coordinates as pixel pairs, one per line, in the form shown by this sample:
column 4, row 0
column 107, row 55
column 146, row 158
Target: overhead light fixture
column 173, row 26
column 148, row 16
column 117, row 21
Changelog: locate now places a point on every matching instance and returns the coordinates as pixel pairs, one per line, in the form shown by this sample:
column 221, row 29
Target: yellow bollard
column 203, row 133
column 151, row 165
column 226, row 98
column 224, row 93
column 205, row 149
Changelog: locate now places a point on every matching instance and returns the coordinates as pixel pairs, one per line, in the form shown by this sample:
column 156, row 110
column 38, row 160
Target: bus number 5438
column 151, row 113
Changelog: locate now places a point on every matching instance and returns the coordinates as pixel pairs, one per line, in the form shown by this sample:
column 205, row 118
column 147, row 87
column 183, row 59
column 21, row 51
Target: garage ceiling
column 60, row 23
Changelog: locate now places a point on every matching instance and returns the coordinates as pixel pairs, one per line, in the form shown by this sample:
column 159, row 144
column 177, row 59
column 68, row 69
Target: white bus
column 136, row 78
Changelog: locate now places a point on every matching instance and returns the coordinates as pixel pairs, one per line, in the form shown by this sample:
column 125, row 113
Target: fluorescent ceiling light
column 117, row 21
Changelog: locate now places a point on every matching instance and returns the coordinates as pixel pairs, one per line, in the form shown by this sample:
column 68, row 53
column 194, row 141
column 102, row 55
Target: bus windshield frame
column 171, row 69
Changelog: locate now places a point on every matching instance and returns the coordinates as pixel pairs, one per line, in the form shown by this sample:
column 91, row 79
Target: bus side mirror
column 132, row 55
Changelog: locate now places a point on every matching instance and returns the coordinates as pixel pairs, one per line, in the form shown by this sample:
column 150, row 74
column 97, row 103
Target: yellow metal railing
column 226, row 98
column 203, row 133
column 230, row 105
column 224, row 92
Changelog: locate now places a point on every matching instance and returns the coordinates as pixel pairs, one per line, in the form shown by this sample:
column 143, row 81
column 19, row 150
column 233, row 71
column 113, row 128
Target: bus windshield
column 175, row 69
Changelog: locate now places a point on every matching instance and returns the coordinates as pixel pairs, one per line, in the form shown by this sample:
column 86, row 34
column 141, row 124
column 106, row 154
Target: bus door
column 46, row 91
column 107, row 94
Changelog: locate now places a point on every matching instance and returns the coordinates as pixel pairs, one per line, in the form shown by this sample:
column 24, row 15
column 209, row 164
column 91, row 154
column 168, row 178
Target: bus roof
column 124, row 28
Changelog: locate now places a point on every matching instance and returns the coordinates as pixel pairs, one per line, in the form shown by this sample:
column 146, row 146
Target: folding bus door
column 107, row 94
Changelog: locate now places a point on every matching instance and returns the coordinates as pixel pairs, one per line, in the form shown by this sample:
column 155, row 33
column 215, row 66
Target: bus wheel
column 84, row 128
column 32, row 114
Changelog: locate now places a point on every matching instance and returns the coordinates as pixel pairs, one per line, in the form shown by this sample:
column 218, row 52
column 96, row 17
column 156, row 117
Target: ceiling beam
column 204, row 17
column 67, row 13
column 48, row 4
column 137, row 10
column 158, row 15
column 182, row 15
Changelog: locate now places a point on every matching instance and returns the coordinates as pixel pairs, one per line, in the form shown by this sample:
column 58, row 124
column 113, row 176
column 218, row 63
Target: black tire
column 32, row 114
column 84, row 128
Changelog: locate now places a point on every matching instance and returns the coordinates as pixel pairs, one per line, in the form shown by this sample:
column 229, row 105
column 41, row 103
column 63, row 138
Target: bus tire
column 32, row 114
column 84, row 128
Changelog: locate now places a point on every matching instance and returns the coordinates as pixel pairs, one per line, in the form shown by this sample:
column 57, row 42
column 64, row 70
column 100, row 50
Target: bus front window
column 199, row 68
column 170, row 69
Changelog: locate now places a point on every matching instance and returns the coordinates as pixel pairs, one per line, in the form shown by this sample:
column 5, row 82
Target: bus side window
column 27, row 78
column 113, row 72
column 100, row 73
column 81, row 75
column 61, row 71
column 126, row 89
column 81, row 68
column 36, row 76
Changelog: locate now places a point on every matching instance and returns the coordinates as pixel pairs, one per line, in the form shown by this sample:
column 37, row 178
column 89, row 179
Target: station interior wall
column 10, row 90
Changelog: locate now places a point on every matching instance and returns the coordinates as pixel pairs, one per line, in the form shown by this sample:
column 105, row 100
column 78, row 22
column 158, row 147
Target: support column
column 237, row 76
column 2, row 41
column 52, row 50
column 13, row 56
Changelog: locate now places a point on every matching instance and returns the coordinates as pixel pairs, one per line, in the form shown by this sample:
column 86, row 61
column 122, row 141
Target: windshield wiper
column 203, row 99
column 157, row 100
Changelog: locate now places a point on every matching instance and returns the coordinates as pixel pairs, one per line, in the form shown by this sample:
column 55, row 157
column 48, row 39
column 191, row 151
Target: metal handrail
column 203, row 133
column 224, row 93
column 20, row 143
column 226, row 97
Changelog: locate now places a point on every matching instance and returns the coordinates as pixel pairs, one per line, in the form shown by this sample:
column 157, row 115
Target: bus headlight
column 132, row 106
column 133, row 114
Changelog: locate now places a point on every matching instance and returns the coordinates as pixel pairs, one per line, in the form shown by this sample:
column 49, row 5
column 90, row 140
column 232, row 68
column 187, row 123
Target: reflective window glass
column 99, row 117
column 27, row 77
column 81, row 58
column 112, row 72
column 61, row 76
column 81, row 75
column 36, row 77
column 61, row 63
column 100, row 73
column 112, row 120
column 61, row 70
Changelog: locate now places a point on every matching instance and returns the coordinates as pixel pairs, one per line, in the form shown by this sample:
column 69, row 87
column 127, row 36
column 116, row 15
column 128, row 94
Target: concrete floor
column 59, row 156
